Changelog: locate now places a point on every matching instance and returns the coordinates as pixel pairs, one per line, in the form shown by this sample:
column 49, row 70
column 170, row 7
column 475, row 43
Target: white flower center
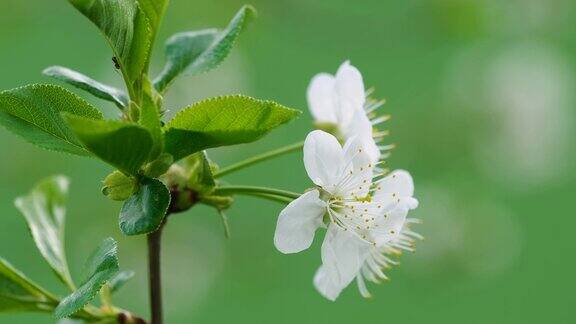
column 360, row 216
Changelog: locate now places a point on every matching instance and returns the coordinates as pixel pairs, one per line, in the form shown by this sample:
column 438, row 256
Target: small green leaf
column 150, row 119
column 154, row 11
column 200, row 51
column 159, row 166
column 144, row 211
column 223, row 121
column 181, row 50
column 88, row 84
column 118, row 186
column 200, row 177
column 33, row 112
column 18, row 293
column 44, row 209
column 123, row 145
column 100, row 267
column 120, row 280
column 126, row 29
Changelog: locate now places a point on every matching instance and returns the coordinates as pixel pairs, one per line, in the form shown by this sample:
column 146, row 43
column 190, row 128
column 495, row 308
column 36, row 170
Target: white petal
column 390, row 225
column 298, row 222
column 325, row 285
column 372, row 149
column 358, row 171
column 320, row 97
column 350, row 92
column 343, row 254
column 395, row 189
column 323, row 159
column 361, row 127
column 399, row 182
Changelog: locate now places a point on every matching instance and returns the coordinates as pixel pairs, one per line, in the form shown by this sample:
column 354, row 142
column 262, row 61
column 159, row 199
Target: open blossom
column 381, row 256
column 338, row 103
column 360, row 211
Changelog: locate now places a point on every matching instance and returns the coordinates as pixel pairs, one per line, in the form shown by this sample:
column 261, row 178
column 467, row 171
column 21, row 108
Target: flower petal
column 323, row 159
column 358, row 171
column 320, row 97
column 361, row 127
column 396, row 188
column 343, row 254
column 298, row 222
column 327, row 287
column 390, row 225
column 399, row 182
column 350, row 92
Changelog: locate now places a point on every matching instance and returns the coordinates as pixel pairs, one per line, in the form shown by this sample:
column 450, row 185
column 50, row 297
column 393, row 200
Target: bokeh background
column 482, row 94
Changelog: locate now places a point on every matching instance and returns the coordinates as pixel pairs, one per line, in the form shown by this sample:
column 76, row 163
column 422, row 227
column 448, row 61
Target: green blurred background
column 482, row 95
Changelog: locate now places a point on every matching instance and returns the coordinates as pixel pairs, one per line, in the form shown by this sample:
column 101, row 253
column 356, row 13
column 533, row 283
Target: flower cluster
column 363, row 210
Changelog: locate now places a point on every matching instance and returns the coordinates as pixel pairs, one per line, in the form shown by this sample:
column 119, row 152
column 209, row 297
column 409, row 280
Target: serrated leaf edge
column 168, row 126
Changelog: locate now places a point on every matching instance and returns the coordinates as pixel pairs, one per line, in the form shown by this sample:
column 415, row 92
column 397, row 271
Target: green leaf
column 120, row 280
column 200, row 178
column 123, row 145
column 18, row 293
column 158, row 167
column 100, row 267
column 126, row 29
column 200, row 51
column 222, row 121
column 181, row 51
column 33, row 112
column 150, row 119
column 44, row 209
column 144, row 211
column 88, row 84
column 118, row 186
column 154, row 11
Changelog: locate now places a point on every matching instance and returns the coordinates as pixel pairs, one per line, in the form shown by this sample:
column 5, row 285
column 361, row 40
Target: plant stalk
column 256, row 191
column 154, row 275
column 278, row 199
column 258, row 158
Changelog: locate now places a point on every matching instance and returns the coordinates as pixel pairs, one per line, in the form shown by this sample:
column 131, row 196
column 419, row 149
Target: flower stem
column 256, row 191
column 279, row 199
column 258, row 158
column 154, row 275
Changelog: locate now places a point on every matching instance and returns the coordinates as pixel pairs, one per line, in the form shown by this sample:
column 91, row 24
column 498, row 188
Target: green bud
column 118, row 186
column 175, row 177
column 159, row 166
column 199, row 173
column 219, row 202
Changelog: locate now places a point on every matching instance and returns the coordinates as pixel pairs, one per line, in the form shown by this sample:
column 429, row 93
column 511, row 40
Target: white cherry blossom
column 399, row 187
column 338, row 102
column 359, row 212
